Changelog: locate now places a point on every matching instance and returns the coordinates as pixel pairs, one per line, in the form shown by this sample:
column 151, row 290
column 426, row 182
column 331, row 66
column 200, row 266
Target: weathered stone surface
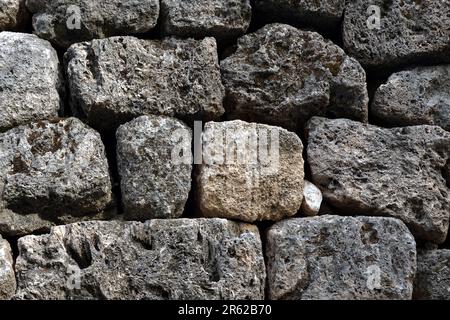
column 312, row 199
column 161, row 259
column 13, row 15
column 222, row 19
column 282, row 76
column 374, row 171
column 250, row 172
column 413, row 97
column 29, row 79
column 7, row 277
column 117, row 79
column 332, row 257
column 410, row 32
column 323, row 15
column 433, row 274
column 51, row 172
column 65, row 22
column 155, row 178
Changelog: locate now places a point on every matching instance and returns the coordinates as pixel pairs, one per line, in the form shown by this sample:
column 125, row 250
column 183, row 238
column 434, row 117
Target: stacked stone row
column 381, row 165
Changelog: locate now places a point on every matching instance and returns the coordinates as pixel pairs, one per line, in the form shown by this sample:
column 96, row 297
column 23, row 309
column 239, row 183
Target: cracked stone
column 160, row 259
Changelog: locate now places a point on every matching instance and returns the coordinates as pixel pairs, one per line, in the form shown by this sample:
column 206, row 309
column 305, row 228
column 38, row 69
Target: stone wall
column 224, row 149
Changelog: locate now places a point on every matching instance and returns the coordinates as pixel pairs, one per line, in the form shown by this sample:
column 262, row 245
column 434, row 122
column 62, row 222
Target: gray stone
column 65, row 22
column 155, row 176
column 340, row 258
column 250, row 172
column 433, row 274
column 282, row 76
column 391, row 172
column 159, row 259
column 117, row 79
column 30, row 79
column 410, row 32
column 13, row 15
column 51, row 172
column 7, row 276
column 414, row 97
column 222, row 19
column 323, row 15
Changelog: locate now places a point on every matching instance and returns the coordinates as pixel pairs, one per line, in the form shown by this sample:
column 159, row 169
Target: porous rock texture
column 433, row 274
column 222, row 19
column 396, row 172
column 159, row 259
column 7, row 275
column 117, row 79
column 410, row 32
column 13, row 15
column 51, row 172
column 342, row 258
column 65, row 22
column 323, row 15
column 413, row 97
column 30, row 79
column 282, row 76
column 250, row 172
column 155, row 166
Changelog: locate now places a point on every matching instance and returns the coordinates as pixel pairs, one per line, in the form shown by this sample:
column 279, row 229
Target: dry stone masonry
column 224, row 149
column 159, row 259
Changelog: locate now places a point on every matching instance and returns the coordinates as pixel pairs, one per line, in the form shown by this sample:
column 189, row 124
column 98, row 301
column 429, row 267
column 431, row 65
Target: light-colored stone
column 65, row 22
column 395, row 172
column 117, row 79
column 312, row 199
column 282, row 76
column 155, row 176
column 342, row 258
column 30, row 79
column 161, row 259
column 51, row 172
column 7, row 276
column 250, row 172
